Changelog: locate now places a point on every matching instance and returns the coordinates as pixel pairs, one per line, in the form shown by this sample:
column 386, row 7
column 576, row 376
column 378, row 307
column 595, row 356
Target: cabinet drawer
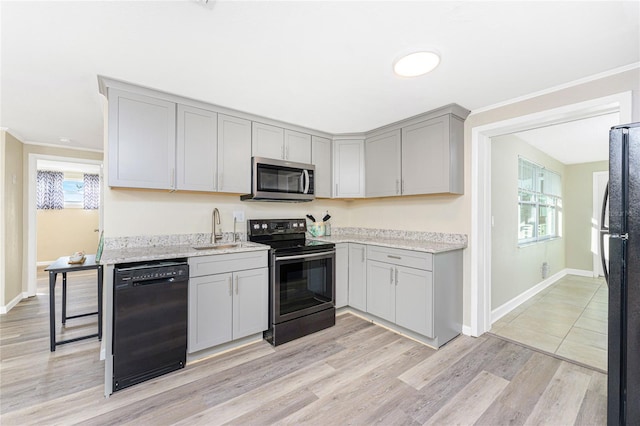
column 222, row 263
column 409, row 258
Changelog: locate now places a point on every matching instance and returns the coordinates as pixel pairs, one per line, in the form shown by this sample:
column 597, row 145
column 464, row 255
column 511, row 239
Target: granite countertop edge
column 415, row 245
column 141, row 254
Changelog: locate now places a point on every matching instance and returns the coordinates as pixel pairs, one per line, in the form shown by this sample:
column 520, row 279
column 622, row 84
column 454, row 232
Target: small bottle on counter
column 327, row 229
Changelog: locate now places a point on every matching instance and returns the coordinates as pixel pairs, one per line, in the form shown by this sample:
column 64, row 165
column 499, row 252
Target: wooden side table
column 62, row 266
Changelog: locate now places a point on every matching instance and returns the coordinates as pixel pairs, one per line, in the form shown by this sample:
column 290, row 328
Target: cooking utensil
column 313, row 219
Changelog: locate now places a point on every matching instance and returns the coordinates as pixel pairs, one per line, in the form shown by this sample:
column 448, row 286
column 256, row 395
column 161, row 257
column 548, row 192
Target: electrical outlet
column 238, row 215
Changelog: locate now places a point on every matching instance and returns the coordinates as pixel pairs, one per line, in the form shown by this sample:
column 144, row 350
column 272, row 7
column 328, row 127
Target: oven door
column 302, row 284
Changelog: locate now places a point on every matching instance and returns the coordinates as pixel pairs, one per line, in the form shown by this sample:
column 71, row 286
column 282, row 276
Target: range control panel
column 257, row 227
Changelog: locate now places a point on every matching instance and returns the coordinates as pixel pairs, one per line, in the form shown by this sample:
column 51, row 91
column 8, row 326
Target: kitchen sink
column 219, row 246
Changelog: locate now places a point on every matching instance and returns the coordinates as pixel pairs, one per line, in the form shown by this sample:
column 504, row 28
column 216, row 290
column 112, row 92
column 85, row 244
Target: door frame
column 32, row 229
column 480, row 249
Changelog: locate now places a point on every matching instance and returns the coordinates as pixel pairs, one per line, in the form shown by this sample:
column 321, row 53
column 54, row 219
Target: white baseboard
column 580, row 272
column 6, row 308
column 504, row 309
column 466, row 330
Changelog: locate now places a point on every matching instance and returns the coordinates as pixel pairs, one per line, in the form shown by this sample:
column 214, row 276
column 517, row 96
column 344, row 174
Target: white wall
column 515, row 269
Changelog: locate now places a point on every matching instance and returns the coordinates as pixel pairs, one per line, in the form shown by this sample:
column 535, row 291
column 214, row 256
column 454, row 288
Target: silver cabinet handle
column 393, row 257
column 402, row 187
column 286, row 152
column 396, row 276
column 362, row 254
column 283, row 152
column 236, row 284
column 336, row 189
column 391, row 276
column 397, row 186
column 173, row 179
column 230, row 287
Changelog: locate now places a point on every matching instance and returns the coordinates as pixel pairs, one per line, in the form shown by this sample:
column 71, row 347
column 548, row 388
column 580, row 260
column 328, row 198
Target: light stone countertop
column 158, row 247
column 140, row 254
column 415, row 245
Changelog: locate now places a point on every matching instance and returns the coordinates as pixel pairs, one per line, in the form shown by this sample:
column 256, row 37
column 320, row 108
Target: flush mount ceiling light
column 415, row 64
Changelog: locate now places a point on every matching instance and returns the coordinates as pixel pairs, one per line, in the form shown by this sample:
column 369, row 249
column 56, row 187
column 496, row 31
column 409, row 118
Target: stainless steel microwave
column 279, row 180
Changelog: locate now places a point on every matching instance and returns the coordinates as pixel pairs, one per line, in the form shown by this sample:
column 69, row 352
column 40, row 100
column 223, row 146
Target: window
column 73, row 190
column 539, row 202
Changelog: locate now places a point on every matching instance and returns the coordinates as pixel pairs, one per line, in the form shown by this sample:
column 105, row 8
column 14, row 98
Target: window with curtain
column 49, row 190
column 91, row 200
column 539, row 202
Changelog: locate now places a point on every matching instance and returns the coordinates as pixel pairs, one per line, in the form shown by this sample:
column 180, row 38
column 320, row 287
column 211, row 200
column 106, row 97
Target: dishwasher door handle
column 153, row 282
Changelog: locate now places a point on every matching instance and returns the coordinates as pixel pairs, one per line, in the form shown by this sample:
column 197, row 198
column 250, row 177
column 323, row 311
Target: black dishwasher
column 149, row 320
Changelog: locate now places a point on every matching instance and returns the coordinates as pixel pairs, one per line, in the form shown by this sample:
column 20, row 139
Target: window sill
column 533, row 243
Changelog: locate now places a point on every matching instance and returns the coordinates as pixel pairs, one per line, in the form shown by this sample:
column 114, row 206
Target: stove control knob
column 256, row 226
column 264, row 226
column 295, row 224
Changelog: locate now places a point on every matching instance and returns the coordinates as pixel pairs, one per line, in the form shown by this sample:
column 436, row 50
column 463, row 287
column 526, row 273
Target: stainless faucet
column 216, row 234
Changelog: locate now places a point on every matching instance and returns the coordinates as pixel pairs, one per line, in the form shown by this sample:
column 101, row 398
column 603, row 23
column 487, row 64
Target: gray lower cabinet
column 342, row 274
column 401, row 295
column 230, row 304
column 421, row 292
column 358, row 276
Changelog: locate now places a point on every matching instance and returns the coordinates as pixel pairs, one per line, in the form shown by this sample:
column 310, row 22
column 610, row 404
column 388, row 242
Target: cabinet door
column 209, row 311
column 142, row 141
column 425, row 157
column 234, row 154
column 381, row 290
column 267, row 141
column 414, row 300
column 348, row 168
column 197, row 149
column 250, row 302
column 297, row 147
column 342, row 274
column 357, row 276
column 382, row 159
column 321, row 158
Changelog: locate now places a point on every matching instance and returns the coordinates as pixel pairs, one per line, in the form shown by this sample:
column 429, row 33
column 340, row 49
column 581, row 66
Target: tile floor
column 568, row 318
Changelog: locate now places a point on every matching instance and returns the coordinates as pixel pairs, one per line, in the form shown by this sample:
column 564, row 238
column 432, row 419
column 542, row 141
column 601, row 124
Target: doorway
column 67, row 229
column 481, row 226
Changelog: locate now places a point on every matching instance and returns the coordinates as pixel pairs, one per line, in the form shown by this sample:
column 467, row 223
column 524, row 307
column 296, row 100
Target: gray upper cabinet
column 433, row 156
column 297, row 146
column 142, row 144
column 283, row 144
column 382, row 159
column 267, row 141
column 321, row 158
column 234, row 154
column 348, row 168
column 196, row 149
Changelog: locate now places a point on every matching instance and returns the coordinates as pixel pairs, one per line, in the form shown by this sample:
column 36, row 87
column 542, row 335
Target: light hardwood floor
column 353, row 373
column 569, row 318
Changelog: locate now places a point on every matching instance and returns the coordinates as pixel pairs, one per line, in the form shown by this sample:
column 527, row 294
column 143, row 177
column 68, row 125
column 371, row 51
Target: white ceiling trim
column 60, row 146
column 553, row 89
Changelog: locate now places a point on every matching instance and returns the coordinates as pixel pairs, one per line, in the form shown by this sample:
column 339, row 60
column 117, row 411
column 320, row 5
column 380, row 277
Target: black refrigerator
column 623, row 275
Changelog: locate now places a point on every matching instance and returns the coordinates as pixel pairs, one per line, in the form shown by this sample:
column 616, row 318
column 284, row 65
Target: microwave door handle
column 305, row 173
column 604, row 230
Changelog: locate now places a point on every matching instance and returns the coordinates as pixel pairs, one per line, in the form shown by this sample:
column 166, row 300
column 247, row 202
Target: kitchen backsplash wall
column 131, row 212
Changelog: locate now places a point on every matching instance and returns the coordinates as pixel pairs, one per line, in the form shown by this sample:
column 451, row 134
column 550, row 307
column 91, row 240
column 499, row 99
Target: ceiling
column 574, row 142
column 319, row 64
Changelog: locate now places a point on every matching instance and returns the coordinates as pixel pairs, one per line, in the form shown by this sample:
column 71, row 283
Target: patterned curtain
column 91, row 192
column 49, row 192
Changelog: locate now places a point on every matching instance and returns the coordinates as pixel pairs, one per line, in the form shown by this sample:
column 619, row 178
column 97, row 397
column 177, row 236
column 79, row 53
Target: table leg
column 64, row 298
column 100, row 302
column 52, row 310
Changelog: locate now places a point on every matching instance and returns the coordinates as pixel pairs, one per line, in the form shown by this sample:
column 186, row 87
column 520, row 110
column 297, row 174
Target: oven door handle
column 306, row 256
